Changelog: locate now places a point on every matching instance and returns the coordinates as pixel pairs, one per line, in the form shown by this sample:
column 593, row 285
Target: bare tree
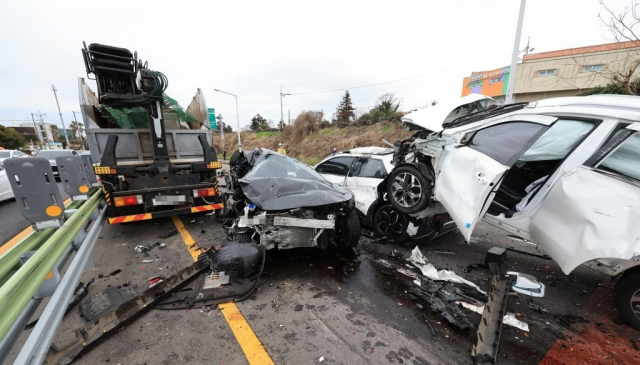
column 625, row 27
column 621, row 72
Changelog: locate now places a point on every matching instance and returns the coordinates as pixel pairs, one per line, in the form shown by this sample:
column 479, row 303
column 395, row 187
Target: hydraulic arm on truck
column 146, row 170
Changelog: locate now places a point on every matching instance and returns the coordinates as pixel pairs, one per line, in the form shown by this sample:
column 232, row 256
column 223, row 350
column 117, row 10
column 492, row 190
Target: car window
column 624, row 160
column 371, row 167
column 336, row 166
column 560, row 139
column 5, row 154
column 504, row 142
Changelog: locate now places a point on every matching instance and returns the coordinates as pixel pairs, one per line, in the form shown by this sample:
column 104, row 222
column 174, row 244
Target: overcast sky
column 251, row 48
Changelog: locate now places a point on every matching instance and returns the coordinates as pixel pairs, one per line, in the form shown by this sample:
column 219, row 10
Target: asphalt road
column 11, row 222
column 313, row 307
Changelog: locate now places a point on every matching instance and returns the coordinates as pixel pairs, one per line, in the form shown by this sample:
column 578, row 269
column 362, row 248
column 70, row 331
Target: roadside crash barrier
column 30, row 270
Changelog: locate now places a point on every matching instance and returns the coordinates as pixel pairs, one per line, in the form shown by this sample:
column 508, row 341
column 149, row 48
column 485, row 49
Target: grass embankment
column 312, row 148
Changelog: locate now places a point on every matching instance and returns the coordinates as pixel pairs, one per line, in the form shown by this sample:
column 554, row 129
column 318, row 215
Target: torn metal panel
column 428, row 270
column 490, row 328
column 588, row 216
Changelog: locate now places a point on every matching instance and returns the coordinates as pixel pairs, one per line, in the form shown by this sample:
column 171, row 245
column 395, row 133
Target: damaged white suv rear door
column 593, row 211
column 469, row 172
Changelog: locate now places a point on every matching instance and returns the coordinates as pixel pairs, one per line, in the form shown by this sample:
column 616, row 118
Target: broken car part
column 428, row 270
column 235, row 270
column 97, row 329
column 490, row 328
column 527, row 284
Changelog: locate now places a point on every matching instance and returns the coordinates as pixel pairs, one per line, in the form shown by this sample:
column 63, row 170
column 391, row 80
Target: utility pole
column 281, row 110
column 514, row 56
column 224, row 148
column 35, row 128
column 53, row 88
column 45, row 130
column 81, row 138
column 289, row 117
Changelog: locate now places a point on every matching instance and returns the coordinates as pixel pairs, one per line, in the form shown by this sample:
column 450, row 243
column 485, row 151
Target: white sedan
column 5, row 188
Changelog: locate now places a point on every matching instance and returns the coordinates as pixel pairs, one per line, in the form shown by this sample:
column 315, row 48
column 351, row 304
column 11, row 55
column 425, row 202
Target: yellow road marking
column 17, row 238
column 192, row 246
column 251, row 346
column 247, row 339
column 22, row 235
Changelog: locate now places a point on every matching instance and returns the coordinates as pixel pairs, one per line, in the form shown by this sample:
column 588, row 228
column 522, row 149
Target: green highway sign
column 212, row 118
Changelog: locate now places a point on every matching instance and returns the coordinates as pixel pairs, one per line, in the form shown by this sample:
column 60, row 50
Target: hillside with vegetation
column 311, row 137
column 316, row 145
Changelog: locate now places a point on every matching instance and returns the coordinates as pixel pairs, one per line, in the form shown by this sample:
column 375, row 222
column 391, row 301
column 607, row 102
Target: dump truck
column 152, row 157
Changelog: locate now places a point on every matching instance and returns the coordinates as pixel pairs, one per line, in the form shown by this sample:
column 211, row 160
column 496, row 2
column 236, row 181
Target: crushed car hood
column 435, row 118
column 288, row 193
column 277, row 182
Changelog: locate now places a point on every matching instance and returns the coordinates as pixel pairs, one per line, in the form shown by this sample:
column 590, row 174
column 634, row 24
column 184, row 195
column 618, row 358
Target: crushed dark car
column 280, row 203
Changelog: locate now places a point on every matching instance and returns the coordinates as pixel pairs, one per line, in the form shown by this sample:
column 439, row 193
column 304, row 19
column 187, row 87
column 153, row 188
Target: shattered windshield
column 273, row 165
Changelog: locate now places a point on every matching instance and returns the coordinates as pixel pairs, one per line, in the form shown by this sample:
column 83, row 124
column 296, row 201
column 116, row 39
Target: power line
column 398, row 80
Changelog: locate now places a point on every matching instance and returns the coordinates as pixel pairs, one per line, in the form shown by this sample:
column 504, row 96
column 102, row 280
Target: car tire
column 349, row 230
column 390, row 223
column 626, row 298
column 407, row 189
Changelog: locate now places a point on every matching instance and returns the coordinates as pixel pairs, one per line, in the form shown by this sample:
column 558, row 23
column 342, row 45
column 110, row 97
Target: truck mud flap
column 165, row 213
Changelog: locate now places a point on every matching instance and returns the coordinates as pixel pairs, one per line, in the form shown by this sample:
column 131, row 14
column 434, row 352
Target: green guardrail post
column 20, row 288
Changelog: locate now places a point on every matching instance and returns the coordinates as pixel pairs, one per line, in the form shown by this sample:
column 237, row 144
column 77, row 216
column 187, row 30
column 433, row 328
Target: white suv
column 362, row 170
column 563, row 173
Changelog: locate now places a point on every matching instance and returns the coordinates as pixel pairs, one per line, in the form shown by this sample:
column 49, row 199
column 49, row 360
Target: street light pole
column 281, row 109
column 237, row 117
column 224, row 147
column 35, row 128
column 53, row 88
column 514, row 56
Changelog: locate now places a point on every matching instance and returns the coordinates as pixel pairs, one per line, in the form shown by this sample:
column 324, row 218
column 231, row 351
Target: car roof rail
column 508, row 108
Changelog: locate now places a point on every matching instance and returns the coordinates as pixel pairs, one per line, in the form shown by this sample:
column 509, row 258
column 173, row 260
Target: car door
column 469, row 173
column 336, row 170
column 368, row 173
column 593, row 211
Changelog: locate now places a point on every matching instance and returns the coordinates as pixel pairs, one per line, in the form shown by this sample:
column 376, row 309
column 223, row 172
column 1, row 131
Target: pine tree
column 345, row 112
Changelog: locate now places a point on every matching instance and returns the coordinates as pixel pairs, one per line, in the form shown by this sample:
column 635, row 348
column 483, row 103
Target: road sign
column 212, row 118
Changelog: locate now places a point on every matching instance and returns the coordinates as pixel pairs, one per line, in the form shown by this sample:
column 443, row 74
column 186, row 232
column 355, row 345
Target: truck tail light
column 198, row 193
column 121, row 201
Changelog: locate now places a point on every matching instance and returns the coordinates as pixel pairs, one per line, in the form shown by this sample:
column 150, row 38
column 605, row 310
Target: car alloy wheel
column 407, row 190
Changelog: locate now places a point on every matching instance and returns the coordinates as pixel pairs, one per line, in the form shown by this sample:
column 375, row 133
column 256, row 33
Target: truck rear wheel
column 626, row 297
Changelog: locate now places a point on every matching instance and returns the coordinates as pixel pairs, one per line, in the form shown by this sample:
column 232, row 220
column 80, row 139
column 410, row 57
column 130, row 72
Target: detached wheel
column 626, row 297
column 407, row 189
column 349, row 230
column 391, row 223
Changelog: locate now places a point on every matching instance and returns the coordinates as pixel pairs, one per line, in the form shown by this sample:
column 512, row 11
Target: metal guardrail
column 29, row 271
column 37, row 345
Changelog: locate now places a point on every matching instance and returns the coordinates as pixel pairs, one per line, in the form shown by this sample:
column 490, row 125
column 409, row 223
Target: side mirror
column 527, row 284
